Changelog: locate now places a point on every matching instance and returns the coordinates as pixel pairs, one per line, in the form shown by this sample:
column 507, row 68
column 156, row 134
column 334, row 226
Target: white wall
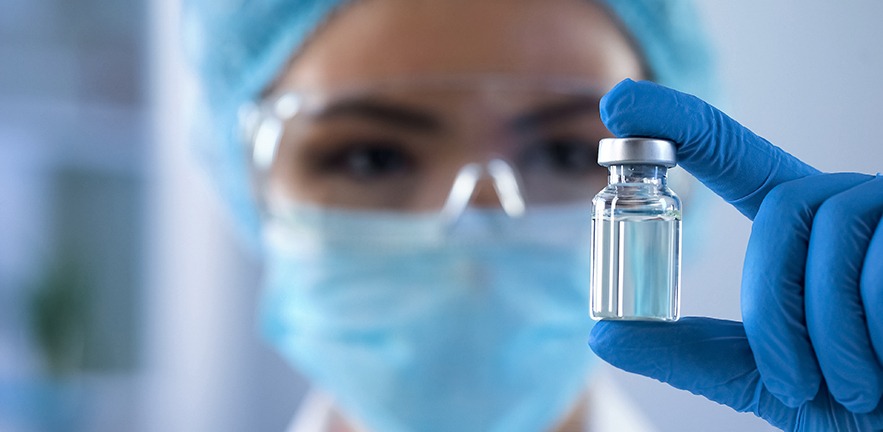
column 805, row 75
column 206, row 368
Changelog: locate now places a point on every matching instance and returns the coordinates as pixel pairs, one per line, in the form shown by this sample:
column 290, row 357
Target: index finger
column 731, row 160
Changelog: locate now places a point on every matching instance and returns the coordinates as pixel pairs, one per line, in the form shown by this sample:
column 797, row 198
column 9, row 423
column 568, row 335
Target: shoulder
column 611, row 410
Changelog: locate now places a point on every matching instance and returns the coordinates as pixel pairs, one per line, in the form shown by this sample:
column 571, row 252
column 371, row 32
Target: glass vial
column 636, row 233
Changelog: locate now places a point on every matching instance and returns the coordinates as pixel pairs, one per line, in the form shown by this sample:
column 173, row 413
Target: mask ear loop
column 506, row 184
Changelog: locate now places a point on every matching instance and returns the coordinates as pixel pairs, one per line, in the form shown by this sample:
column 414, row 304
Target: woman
column 423, row 169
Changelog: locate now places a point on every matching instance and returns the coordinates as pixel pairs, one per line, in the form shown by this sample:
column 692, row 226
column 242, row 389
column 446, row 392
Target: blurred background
column 126, row 300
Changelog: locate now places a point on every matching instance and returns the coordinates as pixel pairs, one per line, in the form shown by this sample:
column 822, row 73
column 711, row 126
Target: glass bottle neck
column 648, row 174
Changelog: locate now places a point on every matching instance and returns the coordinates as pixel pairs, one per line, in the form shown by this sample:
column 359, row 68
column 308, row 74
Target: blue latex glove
column 808, row 356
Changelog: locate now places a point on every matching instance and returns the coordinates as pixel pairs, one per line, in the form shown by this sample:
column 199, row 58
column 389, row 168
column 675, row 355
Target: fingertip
column 614, row 340
column 608, row 101
column 597, row 339
column 621, row 86
column 617, row 100
column 646, row 109
column 602, row 339
column 598, row 331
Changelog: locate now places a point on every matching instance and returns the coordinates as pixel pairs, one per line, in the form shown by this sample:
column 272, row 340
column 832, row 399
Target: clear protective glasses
column 429, row 145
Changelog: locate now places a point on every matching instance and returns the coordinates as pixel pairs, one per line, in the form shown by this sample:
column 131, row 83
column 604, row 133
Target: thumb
column 705, row 356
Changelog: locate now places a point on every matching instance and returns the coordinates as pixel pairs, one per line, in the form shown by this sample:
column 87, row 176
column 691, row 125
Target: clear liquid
column 636, row 268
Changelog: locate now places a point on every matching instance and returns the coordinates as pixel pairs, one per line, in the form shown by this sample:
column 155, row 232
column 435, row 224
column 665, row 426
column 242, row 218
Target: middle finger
column 835, row 317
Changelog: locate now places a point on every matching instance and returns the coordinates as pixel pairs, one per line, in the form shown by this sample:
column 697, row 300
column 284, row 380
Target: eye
column 562, row 155
column 368, row 161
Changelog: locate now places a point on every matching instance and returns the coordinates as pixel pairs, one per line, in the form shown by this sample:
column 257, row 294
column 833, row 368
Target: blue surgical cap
column 239, row 46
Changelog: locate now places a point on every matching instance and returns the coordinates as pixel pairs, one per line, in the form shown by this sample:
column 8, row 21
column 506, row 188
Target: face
column 400, row 95
column 395, row 100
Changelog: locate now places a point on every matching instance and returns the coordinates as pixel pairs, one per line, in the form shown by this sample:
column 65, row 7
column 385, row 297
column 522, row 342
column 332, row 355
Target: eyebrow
column 383, row 112
column 556, row 112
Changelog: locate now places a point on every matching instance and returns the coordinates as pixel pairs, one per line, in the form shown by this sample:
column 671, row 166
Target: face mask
column 413, row 325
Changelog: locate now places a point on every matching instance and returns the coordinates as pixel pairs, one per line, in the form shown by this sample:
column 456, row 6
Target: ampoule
column 636, row 233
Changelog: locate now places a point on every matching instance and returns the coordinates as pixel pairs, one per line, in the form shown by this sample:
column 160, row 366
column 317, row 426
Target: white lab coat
column 610, row 409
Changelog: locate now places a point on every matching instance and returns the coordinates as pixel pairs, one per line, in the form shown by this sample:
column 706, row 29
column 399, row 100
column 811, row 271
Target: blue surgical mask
column 412, row 324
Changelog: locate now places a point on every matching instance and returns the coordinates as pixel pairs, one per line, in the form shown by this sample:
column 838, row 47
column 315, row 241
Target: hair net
column 239, row 46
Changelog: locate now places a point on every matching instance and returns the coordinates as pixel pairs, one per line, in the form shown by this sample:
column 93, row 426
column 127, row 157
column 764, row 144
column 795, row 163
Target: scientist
column 422, row 171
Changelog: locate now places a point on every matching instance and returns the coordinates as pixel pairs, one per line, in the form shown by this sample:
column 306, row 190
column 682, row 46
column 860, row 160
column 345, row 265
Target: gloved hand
column 808, row 356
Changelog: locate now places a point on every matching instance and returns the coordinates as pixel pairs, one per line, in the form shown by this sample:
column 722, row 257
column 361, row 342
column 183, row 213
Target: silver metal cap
column 637, row 150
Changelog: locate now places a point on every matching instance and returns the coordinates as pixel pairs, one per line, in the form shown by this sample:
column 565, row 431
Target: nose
column 485, row 195
column 486, row 186
column 508, row 187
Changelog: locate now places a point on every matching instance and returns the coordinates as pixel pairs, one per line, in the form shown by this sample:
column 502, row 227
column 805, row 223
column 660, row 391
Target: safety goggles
column 429, row 145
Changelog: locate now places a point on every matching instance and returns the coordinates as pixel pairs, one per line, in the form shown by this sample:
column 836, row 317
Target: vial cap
column 637, row 150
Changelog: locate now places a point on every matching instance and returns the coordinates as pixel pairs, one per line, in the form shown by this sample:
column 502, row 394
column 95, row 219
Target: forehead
column 376, row 40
